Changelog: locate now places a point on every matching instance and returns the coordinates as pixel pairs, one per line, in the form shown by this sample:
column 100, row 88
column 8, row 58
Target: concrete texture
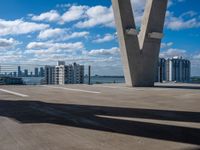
column 139, row 52
column 100, row 117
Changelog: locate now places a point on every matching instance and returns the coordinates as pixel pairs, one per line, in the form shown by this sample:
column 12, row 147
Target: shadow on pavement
column 197, row 87
column 85, row 116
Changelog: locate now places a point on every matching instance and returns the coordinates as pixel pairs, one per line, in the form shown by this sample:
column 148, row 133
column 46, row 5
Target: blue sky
column 43, row 32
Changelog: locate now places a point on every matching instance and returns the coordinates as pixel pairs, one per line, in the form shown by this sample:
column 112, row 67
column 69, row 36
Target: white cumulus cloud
column 106, row 38
column 59, row 34
column 49, row 33
column 74, row 13
column 172, row 52
column 181, row 22
column 52, row 47
column 52, row 15
column 104, row 52
column 97, row 15
column 8, row 43
column 17, row 27
column 166, row 45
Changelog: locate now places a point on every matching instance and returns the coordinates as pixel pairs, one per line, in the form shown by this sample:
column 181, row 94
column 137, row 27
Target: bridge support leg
column 140, row 51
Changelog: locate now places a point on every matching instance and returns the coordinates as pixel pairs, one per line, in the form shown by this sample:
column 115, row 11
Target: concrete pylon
column 140, row 52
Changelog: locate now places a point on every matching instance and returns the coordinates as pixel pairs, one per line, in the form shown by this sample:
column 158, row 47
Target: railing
column 22, row 74
column 31, row 74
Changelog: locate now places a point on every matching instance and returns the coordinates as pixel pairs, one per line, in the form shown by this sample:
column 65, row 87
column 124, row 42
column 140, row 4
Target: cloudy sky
column 44, row 31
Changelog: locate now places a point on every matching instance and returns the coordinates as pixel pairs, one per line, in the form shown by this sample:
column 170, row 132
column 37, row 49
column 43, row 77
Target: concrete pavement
column 100, row 117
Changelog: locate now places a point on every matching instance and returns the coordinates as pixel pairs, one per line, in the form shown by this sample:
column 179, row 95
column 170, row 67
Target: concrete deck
column 100, row 117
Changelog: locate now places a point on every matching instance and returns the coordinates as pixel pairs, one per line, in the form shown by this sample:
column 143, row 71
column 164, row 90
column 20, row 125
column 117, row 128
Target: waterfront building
column 36, row 72
column 61, row 63
column 161, row 70
column 174, row 69
column 25, row 72
column 69, row 74
column 15, row 74
column 19, row 72
column 60, row 74
column 49, row 75
column 78, row 73
column 41, row 73
column 64, row 74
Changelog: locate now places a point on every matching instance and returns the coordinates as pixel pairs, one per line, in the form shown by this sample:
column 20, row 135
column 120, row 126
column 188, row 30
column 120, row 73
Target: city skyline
column 22, row 71
column 36, row 32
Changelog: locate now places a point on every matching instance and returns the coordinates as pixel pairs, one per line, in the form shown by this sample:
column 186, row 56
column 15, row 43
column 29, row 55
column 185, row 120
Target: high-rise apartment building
column 19, row 72
column 49, row 74
column 25, row 73
column 161, row 70
column 36, row 72
column 14, row 74
column 64, row 74
column 61, row 63
column 69, row 74
column 78, row 73
column 60, row 74
column 41, row 73
column 175, row 69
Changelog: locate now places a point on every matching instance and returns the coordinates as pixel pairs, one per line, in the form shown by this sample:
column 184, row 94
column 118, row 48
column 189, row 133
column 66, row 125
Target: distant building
column 49, row 75
column 178, row 69
column 41, row 73
column 15, row 74
column 25, row 72
column 69, row 74
column 10, row 74
column 36, row 72
column 61, row 63
column 175, row 69
column 60, row 74
column 161, row 70
column 19, row 72
column 78, row 73
column 64, row 74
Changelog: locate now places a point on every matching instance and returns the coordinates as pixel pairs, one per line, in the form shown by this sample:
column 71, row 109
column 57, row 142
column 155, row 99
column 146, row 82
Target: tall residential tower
column 64, row 74
column 174, row 69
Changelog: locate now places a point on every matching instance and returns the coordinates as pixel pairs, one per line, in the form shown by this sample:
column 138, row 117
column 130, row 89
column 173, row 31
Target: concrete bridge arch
column 140, row 51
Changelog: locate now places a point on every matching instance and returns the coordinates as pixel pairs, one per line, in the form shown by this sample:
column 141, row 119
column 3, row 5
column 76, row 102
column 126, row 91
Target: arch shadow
column 91, row 117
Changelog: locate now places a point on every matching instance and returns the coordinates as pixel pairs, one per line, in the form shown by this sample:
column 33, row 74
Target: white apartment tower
column 60, row 74
column 174, row 69
column 64, row 74
column 178, row 69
